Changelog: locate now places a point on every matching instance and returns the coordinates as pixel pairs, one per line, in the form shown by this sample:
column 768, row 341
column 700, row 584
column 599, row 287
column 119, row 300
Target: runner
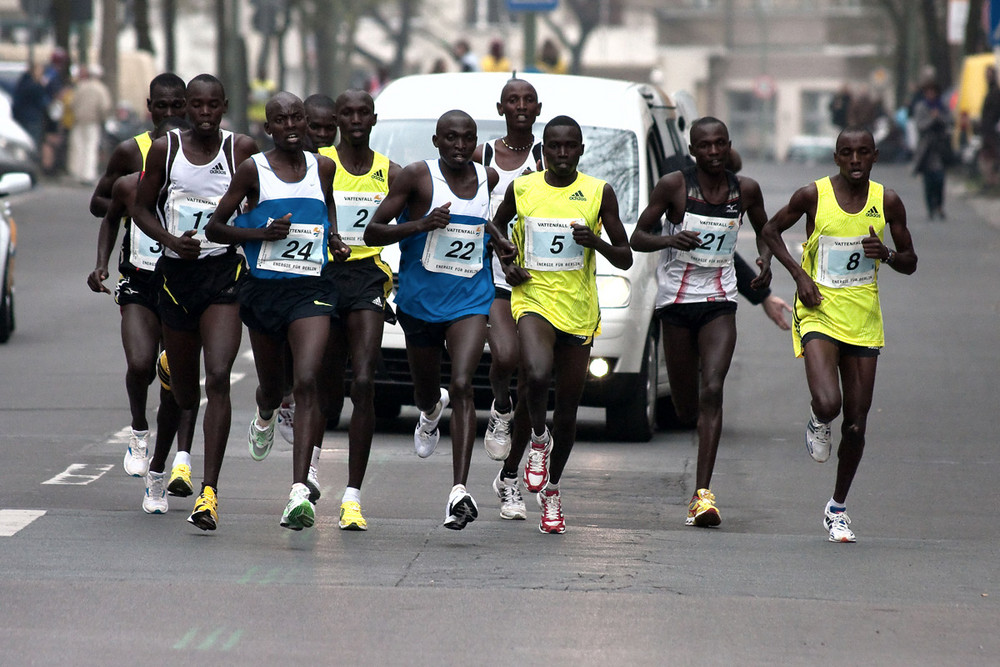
column 838, row 319
column 445, row 288
column 696, row 296
column 512, row 155
column 136, row 297
column 284, row 234
column 198, row 280
column 560, row 214
column 363, row 285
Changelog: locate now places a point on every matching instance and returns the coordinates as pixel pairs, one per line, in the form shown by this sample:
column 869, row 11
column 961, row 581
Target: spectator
column 989, row 117
column 439, row 67
column 467, row 61
column 839, row 105
column 91, row 106
column 59, row 88
column 864, row 110
column 549, row 58
column 31, row 101
column 934, row 152
column 495, row 60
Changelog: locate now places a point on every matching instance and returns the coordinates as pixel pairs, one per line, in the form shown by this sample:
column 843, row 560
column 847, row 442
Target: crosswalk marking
column 79, row 474
column 11, row 521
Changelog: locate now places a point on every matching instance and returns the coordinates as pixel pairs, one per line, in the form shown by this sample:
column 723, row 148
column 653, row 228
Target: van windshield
column 610, row 154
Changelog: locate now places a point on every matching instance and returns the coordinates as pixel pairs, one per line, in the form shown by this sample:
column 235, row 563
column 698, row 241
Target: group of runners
column 498, row 242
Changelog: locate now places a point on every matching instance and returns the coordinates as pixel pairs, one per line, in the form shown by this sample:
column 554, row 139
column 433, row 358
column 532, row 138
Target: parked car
column 9, row 184
column 630, row 132
column 18, row 152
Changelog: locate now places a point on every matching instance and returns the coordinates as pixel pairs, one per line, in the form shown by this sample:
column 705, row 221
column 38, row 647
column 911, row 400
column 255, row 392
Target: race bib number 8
column 354, row 212
column 186, row 212
column 549, row 244
column 143, row 251
column 301, row 252
column 718, row 240
column 456, row 249
column 841, row 262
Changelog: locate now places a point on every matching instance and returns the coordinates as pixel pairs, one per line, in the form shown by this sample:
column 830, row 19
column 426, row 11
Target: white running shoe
column 536, row 468
column 155, row 500
column 260, row 439
column 511, row 501
column 286, row 419
column 461, row 510
column 136, row 461
column 312, row 483
column 818, row 439
column 497, row 438
column 836, row 523
column 426, row 434
column 299, row 512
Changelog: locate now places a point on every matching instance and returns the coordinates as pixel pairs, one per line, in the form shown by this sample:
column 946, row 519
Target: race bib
column 718, row 240
column 143, row 251
column 301, row 252
column 841, row 262
column 549, row 244
column 354, row 212
column 185, row 212
column 456, row 249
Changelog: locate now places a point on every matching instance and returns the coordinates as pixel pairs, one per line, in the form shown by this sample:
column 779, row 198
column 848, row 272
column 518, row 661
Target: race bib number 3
column 549, row 244
column 186, row 212
column 143, row 251
column 456, row 249
column 301, row 252
column 354, row 212
column 841, row 262
column 718, row 240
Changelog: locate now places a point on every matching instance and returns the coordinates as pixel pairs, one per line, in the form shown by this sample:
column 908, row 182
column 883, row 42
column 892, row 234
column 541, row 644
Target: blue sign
column 531, row 5
column 993, row 22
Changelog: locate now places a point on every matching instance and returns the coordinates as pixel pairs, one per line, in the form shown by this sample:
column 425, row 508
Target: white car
column 630, row 132
column 11, row 183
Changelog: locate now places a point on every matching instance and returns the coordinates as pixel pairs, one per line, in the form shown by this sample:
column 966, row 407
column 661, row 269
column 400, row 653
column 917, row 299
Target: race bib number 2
column 718, row 240
column 456, row 249
column 354, row 212
column 301, row 252
column 841, row 262
column 549, row 244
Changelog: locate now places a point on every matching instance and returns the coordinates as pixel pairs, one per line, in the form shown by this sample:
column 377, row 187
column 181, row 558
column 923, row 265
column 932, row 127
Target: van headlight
column 613, row 291
column 599, row 367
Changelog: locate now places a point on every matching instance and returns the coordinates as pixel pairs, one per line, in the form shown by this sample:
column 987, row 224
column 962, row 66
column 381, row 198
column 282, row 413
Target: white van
column 630, row 133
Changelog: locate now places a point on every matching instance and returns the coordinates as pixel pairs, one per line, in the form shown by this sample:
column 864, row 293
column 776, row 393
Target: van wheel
column 6, row 308
column 635, row 419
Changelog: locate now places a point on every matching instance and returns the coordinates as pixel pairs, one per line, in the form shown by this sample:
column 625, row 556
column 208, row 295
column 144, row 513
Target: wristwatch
column 891, row 258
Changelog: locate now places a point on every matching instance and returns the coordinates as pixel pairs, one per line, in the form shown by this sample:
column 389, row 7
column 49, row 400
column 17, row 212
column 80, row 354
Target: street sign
column 994, row 22
column 531, row 5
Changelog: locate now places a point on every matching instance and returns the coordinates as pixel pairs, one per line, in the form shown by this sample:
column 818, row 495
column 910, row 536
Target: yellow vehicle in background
column 968, row 102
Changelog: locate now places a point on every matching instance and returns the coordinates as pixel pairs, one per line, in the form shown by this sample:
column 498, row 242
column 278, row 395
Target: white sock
column 540, row 439
column 157, row 474
column 140, row 434
column 315, row 456
column 833, row 506
column 435, row 413
column 182, row 458
column 551, row 488
column 458, row 488
column 264, row 423
column 352, row 495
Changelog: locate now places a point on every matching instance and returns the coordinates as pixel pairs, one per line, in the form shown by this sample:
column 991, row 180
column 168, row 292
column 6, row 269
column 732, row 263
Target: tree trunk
column 938, row 53
column 109, row 46
column 144, row 42
column 60, row 13
column 169, row 12
column 975, row 34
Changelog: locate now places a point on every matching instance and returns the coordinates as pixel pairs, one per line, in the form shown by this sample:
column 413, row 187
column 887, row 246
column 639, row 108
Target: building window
column 751, row 124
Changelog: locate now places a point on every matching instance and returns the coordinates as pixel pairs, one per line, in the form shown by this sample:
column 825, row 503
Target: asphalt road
column 86, row 578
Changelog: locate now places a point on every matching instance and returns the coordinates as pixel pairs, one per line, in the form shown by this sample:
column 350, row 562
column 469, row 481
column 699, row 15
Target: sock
column 140, row 434
column 182, row 458
column 157, row 475
column 435, row 413
column 315, row 456
column 352, row 495
column 458, row 488
column 540, row 439
column 834, row 506
column 263, row 423
column 551, row 488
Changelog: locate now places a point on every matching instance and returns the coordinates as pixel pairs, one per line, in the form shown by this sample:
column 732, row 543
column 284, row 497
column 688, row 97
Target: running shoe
column 155, row 500
column 299, row 512
column 511, row 502
column 426, row 434
column 702, row 510
column 350, row 516
column 461, row 509
column 497, row 438
column 836, row 523
column 312, row 483
column 260, row 439
column 163, row 370
column 286, row 418
column 536, row 468
column 552, row 521
column 180, row 481
column 136, row 461
column 206, row 510
column 818, row 440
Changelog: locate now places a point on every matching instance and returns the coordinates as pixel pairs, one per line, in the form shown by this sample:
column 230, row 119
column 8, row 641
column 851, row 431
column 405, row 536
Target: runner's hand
column 278, row 228
column 96, row 280
column 684, row 240
column 874, row 248
column 437, row 218
column 186, row 245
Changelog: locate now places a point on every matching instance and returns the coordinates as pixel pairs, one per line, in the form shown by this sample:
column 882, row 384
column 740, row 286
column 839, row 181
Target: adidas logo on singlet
column 872, row 213
column 379, row 176
column 578, row 196
column 217, row 169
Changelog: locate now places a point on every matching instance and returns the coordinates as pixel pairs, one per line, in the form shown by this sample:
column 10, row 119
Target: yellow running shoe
column 206, row 510
column 180, row 481
column 350, row 517
column 702, row 510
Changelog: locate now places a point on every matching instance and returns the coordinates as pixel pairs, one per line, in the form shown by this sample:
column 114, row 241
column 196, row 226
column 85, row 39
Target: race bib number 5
column 456, row 249
column 841, row 262
column 301, row 252
column 354, row 212
column 718, row 240
column 549, row 244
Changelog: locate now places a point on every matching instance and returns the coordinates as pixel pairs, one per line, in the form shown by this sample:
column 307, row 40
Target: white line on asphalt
column 11, row 521
column 79, row 474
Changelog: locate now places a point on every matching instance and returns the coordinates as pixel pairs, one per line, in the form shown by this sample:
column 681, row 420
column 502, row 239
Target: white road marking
column 11, row 521
column 80, row 474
